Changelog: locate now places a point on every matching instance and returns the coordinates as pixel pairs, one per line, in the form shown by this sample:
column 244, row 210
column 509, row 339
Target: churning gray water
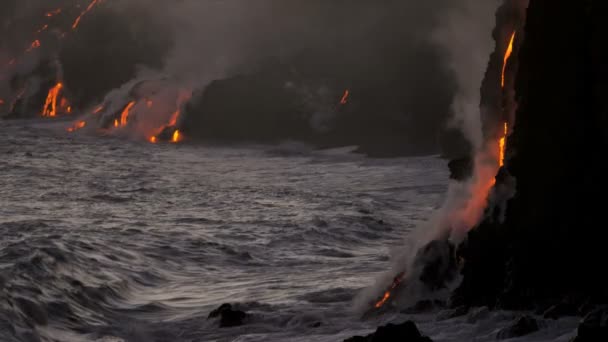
column 107, row 239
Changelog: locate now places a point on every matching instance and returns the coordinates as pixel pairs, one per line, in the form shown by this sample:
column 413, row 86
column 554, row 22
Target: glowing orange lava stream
column 503, row 144
column 77, row 126
column 87, row 10
column 506, row 58
column 387, row 295
column 124, row 117
column 50, row 105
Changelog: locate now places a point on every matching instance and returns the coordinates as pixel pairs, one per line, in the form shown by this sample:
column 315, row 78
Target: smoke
column 465, row 37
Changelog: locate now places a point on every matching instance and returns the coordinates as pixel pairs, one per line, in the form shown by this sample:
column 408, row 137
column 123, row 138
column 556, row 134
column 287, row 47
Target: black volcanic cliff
column 552, row 246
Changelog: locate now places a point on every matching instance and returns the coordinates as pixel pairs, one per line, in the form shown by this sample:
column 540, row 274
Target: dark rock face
column 594, row 327
column 551, row 245
column 405, row 332
column 228, row 316
column 438, row 263
column 524, row 326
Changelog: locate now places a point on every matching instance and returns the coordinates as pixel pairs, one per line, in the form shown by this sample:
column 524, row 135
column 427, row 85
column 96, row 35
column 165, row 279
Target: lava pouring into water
column 388, row 293
column 164, row 132
column 177, row 137
column 50, row 105
column 506, row 58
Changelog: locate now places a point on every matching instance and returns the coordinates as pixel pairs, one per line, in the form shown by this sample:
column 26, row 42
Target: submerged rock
column 405, row 332
column 524, row 326
column 228, row 316
column 594, row 327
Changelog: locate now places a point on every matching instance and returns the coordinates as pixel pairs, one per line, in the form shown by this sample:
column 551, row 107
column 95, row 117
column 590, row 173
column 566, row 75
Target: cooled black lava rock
column 405, row 332
column 228, row 316
column 438, row 262
column 550, row 245
column 524, row 326
column 594, row 327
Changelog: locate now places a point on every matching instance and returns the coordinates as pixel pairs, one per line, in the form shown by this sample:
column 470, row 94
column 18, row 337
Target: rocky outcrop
column 228, row 317
column 405, row 332
column 552, row 242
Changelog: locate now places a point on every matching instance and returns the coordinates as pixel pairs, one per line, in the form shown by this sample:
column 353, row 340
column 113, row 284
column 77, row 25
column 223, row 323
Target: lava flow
column 35, row 44
column 344, row 99
column 387, row 295
column 502, row 144
column 50, row 105
column 177, row 137
column 124, row 116
column 87, row 10
column 78, row 125
column 170, row 132
column 506, row 58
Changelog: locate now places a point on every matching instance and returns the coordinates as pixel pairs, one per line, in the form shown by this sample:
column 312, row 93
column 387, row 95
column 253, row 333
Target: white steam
column 465, row 36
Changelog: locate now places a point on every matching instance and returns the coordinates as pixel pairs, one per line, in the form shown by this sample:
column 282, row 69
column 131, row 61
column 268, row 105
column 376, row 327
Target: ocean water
column 109, row 239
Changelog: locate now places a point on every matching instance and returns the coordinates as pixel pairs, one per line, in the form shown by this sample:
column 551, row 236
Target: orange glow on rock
column 503, row 144
column 153, row 140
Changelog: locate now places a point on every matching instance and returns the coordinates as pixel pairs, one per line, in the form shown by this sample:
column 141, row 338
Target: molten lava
column 53, row 13
column 344, row 99
column 387, row 295
column 50, row 105
column 43, row 28
column 77, row 126
column 98, row 110
column 503, row 144
column 87, row 10
column 506, row 58
column 177, row 137
column 35, row 44
column 124, row 116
